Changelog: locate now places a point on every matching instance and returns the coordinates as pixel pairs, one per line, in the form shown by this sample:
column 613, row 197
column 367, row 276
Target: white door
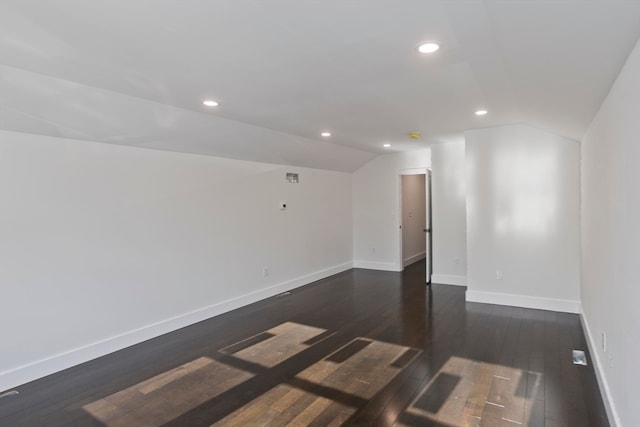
column 427, row 227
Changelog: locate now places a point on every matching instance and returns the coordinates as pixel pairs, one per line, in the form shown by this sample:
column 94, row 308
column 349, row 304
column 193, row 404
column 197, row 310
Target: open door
column 427, row 227
column 414, row 207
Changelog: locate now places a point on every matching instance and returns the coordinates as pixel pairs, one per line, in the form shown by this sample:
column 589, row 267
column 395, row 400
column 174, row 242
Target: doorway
column 415, row 219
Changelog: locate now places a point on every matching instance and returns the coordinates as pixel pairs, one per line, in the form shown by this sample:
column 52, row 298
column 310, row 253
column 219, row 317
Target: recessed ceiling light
column 210, row 103
column 429, row 47
column 481, row 112
column 325, row 134
column 386, row 145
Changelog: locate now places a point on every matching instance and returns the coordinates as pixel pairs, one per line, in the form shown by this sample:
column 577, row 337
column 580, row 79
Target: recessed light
column 325, row 134
column 429, row 47
column 481, row 112
column 210, row 103
column 386, row 145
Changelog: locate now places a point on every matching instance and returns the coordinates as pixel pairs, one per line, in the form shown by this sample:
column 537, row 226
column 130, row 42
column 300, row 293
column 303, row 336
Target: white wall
column 413, row 218
column 449, row 213
column 523, row 201
column 611, row 242
column 103, row 246
column 376, row 206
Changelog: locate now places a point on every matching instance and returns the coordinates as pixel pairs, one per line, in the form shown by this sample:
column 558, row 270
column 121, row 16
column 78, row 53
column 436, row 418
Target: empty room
column 305, row 212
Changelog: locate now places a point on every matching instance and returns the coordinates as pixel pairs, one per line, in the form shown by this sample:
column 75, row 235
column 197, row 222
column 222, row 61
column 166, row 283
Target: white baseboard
column 609, row 405
column 414, row 258
column 448, row 279
column 551, row 304
column 373, row 265
column 55, row 363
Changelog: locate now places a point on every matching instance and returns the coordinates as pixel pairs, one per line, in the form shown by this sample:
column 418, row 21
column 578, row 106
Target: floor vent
column 579, row 358
column 9, row 393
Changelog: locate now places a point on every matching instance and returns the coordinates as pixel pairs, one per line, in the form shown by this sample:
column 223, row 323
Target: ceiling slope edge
column 39, row 104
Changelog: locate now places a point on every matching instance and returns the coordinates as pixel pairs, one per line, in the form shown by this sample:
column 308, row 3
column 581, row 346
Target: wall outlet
column 603, row 341
column 265, row 272
column 499, row 275
column 456, row 261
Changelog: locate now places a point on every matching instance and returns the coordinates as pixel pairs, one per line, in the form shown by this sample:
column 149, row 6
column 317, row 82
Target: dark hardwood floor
column 361, row 347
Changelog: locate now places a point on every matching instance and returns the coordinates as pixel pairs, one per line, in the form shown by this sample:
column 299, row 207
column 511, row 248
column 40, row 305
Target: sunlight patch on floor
column 160, row 399
column 329, row 391
column 276, row 344
column 471, row 393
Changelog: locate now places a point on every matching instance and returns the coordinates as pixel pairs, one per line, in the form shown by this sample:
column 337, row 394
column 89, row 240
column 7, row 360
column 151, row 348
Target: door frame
column 413, row 171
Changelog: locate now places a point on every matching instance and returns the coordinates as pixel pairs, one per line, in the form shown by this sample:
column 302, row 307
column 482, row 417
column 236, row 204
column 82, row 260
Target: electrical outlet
column 604, row 341
column 265, row 272
column 498, row 274
column 456, row 261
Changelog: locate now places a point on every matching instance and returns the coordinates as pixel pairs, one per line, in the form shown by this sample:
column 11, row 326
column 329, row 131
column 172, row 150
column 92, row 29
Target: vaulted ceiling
column 135, row 72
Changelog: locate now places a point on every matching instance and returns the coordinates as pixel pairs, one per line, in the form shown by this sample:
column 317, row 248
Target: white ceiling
column 134, row 72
